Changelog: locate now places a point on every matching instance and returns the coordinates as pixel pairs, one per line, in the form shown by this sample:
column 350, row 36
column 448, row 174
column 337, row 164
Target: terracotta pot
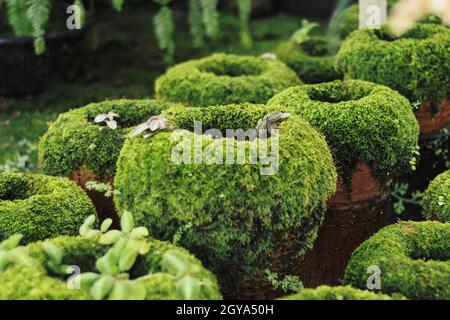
column 353, row 215
column 104, row 205
column 432, row 124
column 284, row 261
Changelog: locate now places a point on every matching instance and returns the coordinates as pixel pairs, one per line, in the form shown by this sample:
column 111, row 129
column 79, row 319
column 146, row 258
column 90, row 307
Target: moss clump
column 413, row 258
column 362, row 122
column 310, row 59
column 233, row 217
column 436, row 199
column 74, row 140
column 40, row 207
column 224, row 79
column 38, row 283
column 415, row 64
column 337, row 293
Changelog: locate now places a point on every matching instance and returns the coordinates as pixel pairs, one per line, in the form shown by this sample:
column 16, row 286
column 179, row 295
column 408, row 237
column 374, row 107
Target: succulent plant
column 12, row 253
column 153, row 124
column 108, row 118
column 301, row 34
column 126, row 245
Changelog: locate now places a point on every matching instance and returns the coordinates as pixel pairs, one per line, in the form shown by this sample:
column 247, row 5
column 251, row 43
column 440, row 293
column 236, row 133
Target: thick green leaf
column 175, row 262
column 106, row 224
column 53, row 252
column 102, row 287
column 127, row 222
column 12, row 242
column 128, row 290
column 4, row 260
column 128, row 258
column 107, row 265
column 110, row 237
column 139, row 233
column 88, row 279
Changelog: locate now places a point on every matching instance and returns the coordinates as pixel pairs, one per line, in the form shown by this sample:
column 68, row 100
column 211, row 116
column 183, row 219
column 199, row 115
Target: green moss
column 436, row 199
column 337, row 293
column 40, row 206
column 310, row 59
column 224, row 79
column 413, row 258
column 74, row 140
column 238, row 217
column 416, row 64
column 37, row 283
column 362, row 122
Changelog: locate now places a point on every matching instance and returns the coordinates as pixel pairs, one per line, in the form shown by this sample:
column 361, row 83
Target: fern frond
column 80, row 5
column 245, row 9
column 38, row 13
column 210, row 17
column 164, row 28
column 195, row 22
column 16, row 11
column 117, row 4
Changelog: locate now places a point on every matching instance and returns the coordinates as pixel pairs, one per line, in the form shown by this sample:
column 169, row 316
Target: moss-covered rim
column 232, row 68
column 74, row 140
column 362, row 122
column 413, row 257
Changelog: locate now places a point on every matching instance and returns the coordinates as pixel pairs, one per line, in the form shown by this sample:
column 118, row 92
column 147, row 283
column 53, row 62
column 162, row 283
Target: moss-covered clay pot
column 372, row 132
column 413, row 259
column 416, row 65
column 224, row 79
column 338, row 293
column 238, row 221
column 310, row 59
column 77, row 147
column 39, row 283
column 41, row 207
column 436, row 199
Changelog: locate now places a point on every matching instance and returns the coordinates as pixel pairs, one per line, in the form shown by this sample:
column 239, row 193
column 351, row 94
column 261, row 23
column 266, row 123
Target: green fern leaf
column 195, row 22
column 38, row 13
column 210, row 17
column 16, row 11
column 164, row 28
column 117, row 4
column 245, row 9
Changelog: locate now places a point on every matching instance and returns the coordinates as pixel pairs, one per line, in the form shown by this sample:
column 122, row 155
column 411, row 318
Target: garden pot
column 434, row 145
column 22, row 72
column 104, row 205
column 432, row 124
column 352, row 217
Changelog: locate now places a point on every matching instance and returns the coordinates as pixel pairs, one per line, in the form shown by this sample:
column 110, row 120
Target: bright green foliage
column 337, row 293
column 245, row 10
column 17, row 17
column 416, row 64
column 236, row 216
column 74, row 140
column 413, row 258
column 436, row 200
column 224, row 79
column 13, row 254
column 40, row 206
column 160, row 283
column 362, row 122
column 310, row 59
